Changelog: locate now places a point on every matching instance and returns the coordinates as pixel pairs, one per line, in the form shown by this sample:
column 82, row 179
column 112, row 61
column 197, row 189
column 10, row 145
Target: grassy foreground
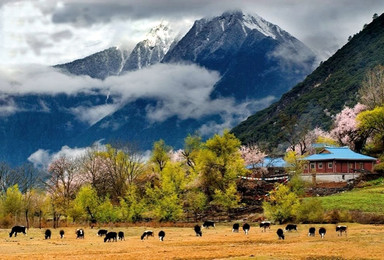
column 362, row 242
column 367, row 199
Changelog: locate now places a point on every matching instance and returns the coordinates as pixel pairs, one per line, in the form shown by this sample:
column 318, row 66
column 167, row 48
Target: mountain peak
column 161, row 33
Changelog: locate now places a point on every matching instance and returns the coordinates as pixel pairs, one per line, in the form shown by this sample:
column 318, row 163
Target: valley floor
column 362, row 242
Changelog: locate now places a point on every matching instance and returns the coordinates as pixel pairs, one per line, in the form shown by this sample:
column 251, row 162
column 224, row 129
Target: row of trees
column 116, row 183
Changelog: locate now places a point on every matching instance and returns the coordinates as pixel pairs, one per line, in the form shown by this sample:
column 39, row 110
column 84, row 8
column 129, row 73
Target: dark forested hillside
column 323, row 93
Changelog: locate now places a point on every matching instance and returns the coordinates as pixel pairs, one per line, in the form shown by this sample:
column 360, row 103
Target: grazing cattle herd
column 114, row 236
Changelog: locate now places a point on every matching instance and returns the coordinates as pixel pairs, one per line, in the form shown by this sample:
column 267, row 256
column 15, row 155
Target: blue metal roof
column 269, row 162
column 338, row 153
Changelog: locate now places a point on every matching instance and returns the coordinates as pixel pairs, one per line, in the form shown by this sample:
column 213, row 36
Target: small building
column 270, row 166
column 336, row 164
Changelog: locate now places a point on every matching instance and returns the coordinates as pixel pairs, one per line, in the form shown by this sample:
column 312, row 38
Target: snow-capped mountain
column 114, row 61
column 151, row 50
column 256, row 58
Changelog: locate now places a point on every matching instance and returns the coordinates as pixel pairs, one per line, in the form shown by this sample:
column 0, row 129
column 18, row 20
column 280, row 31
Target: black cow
column 18, row 229
column 48, row 234
column 102, row 232
column 264, row 225
column 61, row 233
column 311, row 232
column 198, row 232
column 235, row 227
column 291, row 227
column 121, row 235
column 109, row 236
column 161, row 235
column 322, row 232
column 80, row 233
column 280, row 233
column 246, row 228
column 208, row 223
column 341, row 229
column 147, row 234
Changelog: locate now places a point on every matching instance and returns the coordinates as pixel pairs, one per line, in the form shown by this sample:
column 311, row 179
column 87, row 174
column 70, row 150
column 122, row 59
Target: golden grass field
column 362, row 242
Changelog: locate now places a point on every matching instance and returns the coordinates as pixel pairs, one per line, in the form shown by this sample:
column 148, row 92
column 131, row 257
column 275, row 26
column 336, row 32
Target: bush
column 310, row 211
column 379, row 168
column 335, row 216
column 367, row 218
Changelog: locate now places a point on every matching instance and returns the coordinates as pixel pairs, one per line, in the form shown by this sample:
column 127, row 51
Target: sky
column 50, row 32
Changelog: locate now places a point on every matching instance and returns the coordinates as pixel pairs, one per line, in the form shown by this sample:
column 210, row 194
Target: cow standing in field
column 17, row 229
column 341, row 229
column 246, row 228
column 235, row 227
column 280, row 234
column 109, row 236
column 208, row 223
column 264, row 225
column 121, row 236
column 311, row 232
column 80, row 233
column 146, row 234
column 102, row 232
column 161, row 235
column 291, row 227
column 198, row 232
column 61, row 234
column 48, row 234
column 322, row 232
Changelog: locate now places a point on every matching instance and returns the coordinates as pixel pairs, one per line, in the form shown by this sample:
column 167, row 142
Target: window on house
column 320, row 165
column 362, row 166
column 305, row 166
column 330, row 165
column 312, row 165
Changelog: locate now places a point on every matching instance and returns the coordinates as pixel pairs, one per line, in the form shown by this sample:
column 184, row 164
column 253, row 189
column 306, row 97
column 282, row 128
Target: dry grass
column 362, row 242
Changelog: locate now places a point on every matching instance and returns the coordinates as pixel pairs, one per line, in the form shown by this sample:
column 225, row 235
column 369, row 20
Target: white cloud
column 42, row 158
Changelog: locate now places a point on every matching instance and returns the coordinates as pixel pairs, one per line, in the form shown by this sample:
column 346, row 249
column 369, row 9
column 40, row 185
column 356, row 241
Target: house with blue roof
column 337, row 164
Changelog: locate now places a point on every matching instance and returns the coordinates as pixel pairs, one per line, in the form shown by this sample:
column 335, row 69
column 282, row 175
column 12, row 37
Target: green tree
column 132, row 206
column 160, row 155
column 166, row 198
column 282, row 204
column 106, row 212
column 310, row 211
column 195, row 202
column 372, row 121
column 192, row 145
column 86, row 204
column 295, row 167
column 13, row 202
column 219, row 164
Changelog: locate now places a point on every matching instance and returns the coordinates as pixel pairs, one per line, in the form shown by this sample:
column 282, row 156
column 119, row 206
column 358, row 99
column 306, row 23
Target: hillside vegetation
column 369, row 199
column 333, row 85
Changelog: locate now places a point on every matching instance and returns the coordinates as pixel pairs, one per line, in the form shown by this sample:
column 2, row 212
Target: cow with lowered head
column 198, row 232
column 264, row 225
column 341, row 230
column 291, row 227
column 80, row 233
column 322, row 232
column 18, row 229
column 280, row 234
column 235, row 227
column 102, row 232
column 48, row 234
column 246, row 228
column 208, row 223
column 311, row 231
column 146, row 234
column 109, row 236
column 161, row 235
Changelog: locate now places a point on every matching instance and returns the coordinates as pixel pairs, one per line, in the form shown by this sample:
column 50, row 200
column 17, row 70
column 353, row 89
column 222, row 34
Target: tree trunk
column 26, row 218
column 40, row 219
